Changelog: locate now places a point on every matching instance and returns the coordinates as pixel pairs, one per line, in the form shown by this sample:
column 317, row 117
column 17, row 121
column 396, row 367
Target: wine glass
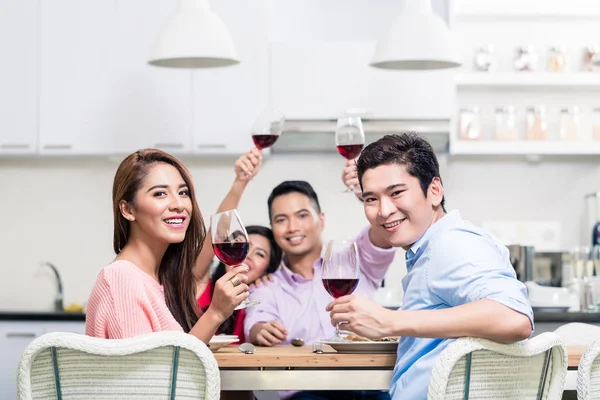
column 349, row 140
column 340, row 271
column 267, row 128
column 230, row 242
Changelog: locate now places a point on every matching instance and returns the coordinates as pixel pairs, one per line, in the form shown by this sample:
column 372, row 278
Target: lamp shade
column 194, row 37
column 419, row 39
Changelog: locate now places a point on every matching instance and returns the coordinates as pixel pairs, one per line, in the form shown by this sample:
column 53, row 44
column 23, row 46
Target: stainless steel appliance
column 543, row 268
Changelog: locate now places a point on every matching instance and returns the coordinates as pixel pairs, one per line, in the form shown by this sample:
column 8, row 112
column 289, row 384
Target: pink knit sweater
column 127, row 302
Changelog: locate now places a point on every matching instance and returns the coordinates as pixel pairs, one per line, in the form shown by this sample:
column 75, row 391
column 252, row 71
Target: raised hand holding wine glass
column 230, row 243
column 349, row 140
column 267, row 128
column 340, row 271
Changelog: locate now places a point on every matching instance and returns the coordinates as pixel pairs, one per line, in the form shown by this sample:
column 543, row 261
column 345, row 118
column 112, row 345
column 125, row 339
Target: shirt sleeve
column 265, row 311
column 130, row 307
column 374, row 261
column 466, row 267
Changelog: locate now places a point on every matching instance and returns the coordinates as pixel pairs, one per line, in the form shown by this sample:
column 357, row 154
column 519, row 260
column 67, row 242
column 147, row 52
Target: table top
column 303, row 357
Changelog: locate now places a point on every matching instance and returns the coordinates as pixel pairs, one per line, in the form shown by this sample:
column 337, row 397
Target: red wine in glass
column 231, row 253
column 340, row 287
column 264, row 141
column 350, row 151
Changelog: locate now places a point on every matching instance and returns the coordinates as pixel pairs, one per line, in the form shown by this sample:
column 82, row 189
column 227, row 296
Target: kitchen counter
column 11, row 315
column 565, row 317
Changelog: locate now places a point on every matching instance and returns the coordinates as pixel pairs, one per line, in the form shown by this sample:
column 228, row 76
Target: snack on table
column 353, row 337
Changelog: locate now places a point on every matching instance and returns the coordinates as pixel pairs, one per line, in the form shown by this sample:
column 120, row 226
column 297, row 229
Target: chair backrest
column 588, row 373
column 476, row 369
column 160, row 365
column 578, row 334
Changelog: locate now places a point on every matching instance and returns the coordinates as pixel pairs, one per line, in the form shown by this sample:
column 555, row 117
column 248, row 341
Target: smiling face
column 396, row 206
column 296, row 225
column 258, row 256
column 162, row 207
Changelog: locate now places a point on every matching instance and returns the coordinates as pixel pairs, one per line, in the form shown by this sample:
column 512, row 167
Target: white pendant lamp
column 194, row 37
column 419, row 39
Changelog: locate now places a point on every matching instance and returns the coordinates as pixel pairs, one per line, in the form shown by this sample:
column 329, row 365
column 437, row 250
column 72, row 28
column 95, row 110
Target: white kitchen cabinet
column 98, row 94
column 15, row 336
column 228, row 100
column 18, row 81
column 323, row 79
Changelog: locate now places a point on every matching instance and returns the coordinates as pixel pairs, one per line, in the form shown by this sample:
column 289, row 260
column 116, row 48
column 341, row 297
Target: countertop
column 13, row 315
column 587, row 317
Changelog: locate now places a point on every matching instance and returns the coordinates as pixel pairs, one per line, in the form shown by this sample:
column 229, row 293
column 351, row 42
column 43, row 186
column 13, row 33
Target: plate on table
column 359, row 344
column 218, row 341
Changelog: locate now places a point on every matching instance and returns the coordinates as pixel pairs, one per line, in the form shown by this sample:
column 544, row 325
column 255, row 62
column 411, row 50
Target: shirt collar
column 293, row 277
column 443, row 223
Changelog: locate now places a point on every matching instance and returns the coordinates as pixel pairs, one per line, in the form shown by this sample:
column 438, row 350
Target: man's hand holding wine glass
column 360, row 315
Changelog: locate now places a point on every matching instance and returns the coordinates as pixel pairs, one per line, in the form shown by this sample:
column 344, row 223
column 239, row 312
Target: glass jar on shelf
column 526, row 59
column 483, row 61
column 569, row 123
column 536, row 124
column 596, row 126
column 590, row 54
column 557, row 59
column 469, row 125
column 506, row 123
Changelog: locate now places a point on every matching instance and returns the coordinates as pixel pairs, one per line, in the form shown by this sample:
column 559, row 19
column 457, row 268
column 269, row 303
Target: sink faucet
column 58, row 299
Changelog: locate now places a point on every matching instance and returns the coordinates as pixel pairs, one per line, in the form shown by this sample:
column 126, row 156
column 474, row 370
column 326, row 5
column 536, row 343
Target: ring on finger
column 235, row 281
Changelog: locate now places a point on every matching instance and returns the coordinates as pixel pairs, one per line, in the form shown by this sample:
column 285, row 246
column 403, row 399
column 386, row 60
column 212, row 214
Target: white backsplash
column 60, row 210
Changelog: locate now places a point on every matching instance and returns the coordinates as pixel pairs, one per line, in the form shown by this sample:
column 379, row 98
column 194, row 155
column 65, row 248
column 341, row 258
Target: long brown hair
column 175, row 272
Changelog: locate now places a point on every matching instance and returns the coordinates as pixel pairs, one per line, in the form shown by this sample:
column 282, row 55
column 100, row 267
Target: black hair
column 408, row 149
column 302, row 187
column 274, row 262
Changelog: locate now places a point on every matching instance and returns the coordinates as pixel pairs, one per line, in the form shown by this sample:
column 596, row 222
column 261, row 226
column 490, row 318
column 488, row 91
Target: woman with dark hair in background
column 263, row 257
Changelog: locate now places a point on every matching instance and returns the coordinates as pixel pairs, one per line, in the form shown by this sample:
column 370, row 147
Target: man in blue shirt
column 459, row 279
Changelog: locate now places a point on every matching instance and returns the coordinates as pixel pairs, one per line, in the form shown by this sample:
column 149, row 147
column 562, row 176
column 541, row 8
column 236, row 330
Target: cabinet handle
column 20, row 335
column 212, row 146
column 14, row 146
column 58, row 146
column 169, row 145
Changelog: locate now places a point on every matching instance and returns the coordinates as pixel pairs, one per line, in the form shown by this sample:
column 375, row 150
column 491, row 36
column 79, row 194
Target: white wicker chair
column 482, row 369
column 588, row 373
column 161, row 365
column 578, row 334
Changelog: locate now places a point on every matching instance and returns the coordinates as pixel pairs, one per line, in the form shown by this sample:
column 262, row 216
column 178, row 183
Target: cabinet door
column 64, row 326
column 228, row 100
column 14, row 339
column 98, row 94
column 323, row 79
column 18, row 80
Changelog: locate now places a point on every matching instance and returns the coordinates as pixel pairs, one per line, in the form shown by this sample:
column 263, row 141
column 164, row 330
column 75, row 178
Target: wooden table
column 297, row 368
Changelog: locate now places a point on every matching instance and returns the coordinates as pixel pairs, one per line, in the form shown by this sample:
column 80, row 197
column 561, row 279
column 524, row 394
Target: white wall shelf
column 581, row 80
column 491, row 147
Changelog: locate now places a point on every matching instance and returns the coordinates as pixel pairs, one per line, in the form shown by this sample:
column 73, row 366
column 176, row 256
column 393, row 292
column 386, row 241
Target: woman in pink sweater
column 158, row 234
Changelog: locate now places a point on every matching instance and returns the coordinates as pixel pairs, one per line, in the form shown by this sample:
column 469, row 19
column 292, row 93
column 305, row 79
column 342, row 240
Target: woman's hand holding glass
column 230, row 291
column 248, row 164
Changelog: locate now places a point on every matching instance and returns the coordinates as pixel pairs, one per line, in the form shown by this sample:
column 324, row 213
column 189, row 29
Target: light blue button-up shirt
column 453, row 263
